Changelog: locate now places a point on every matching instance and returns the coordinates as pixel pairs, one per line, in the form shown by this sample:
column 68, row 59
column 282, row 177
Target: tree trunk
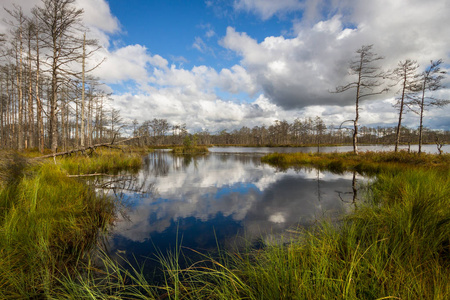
column 422, row 103
column 30, row 99
column 19, row 78
column 397, row 140
column 83, row 135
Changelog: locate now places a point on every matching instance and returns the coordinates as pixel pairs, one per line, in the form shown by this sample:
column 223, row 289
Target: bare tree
column 60, row 23
column 429, row 81
column 368, row 82
column 115, row 120
column 406, row 75
column 18, row 31
column 93, row 44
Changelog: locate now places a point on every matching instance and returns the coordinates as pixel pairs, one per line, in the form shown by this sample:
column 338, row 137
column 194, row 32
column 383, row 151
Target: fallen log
column 92, row 175
column 92, row 148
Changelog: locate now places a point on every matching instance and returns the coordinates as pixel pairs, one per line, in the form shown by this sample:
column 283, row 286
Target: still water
column 220, row 198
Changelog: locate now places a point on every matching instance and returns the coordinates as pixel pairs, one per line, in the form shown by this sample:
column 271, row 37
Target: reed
column 365, row 162
column 102, row 161
column 48, row 223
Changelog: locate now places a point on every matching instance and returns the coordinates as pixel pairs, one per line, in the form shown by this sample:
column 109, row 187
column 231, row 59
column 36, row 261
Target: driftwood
column 93, row 174
column 91, row 148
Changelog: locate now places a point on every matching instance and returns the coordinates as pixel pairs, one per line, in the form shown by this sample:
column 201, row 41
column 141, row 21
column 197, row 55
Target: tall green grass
column 396, row 245
column 365, row 162
column 101, row 161
column 48, row 223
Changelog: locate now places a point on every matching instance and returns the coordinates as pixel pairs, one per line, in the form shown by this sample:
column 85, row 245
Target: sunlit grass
column 48, row 223
column 101, row 161
column 396, row 245
column 365, row 162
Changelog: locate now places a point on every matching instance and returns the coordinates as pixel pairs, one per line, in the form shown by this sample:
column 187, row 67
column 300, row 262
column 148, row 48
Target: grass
column 101, row 161
column 48, row 223
column 396, row 245
column 365, row 162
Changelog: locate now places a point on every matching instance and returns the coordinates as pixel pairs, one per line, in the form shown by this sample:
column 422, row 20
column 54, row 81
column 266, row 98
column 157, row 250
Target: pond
column 221, row 199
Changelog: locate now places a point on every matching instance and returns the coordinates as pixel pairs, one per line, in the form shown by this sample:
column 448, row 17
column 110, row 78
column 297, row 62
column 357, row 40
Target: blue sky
column 224, row 64
column 187, row 33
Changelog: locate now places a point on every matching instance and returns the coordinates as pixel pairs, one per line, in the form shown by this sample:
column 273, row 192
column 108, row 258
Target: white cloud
column 281, row 77
column 210, row 33
column 97, row 14
column 299, row 72
column 127, row 63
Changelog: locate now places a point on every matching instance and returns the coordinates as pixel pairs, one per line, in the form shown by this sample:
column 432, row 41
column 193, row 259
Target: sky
column 224, row 64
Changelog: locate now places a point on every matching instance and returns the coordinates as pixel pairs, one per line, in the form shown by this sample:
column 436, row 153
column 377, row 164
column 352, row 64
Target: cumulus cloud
column 278, row 77
column 97, row 14
column 203, row 111
column 293, row 72
column 127, row 63
column 300, row 71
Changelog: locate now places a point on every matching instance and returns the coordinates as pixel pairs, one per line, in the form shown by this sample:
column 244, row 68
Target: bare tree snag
column 368, row 82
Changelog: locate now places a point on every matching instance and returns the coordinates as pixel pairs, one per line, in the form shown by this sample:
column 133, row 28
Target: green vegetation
column 102, row 161
column 190, row 147
column 395, row 245
column 190, row 150
column 365, row 162
column 48, row 223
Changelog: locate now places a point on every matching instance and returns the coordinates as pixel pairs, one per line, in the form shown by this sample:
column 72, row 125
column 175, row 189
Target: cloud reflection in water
column 221, row 195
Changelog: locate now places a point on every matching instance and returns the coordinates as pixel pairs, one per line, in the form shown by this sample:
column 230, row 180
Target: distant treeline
column 307, row 131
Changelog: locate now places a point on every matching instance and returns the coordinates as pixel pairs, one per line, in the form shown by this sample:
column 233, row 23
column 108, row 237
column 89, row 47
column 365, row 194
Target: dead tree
column 60, row 22
column 406, row 75
column 368, row 81
column 428, row 81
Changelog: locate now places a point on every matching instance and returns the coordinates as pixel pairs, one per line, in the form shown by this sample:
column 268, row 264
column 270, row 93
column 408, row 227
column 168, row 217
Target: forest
column 306, row 132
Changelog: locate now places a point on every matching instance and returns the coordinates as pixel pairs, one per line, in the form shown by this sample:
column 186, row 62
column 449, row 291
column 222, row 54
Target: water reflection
column 222, row 196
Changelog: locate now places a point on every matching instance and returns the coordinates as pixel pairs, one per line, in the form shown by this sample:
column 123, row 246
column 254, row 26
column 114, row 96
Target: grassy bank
column 102, row 161
column 48, row 223
column 365, row 162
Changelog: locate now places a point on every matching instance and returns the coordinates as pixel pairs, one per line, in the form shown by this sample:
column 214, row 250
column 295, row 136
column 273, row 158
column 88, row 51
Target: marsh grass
column 102, row 161
column 48, row 223
column 190, row 150
column 396, row 245
column 365, row 162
